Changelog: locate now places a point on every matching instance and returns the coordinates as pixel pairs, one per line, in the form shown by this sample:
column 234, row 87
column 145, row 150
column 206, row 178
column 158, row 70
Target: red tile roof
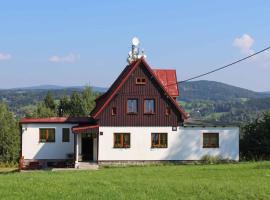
column 74, row 120
column 168, row 79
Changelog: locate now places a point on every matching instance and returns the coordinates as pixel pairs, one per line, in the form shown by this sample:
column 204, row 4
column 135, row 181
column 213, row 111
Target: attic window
column 168, row 111
column 113, row 110
column 140, row 81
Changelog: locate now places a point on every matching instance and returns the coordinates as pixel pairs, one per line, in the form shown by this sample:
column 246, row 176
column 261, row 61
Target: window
column 210, row 140
column 121, row 140
column 159, row 140
column 65, row 135
column 167, row 111
column 140, row 81
column 132, row 106
column 46, row 135
column 149, row 106
column 114, row 111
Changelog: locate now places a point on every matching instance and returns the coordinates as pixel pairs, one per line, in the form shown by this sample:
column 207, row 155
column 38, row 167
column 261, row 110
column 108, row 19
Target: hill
column 211, row 101
column 213, row 91
column 57, row 87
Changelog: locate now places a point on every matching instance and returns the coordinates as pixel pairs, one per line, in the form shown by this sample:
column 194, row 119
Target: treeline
column 78, row 104
column 24, row 101
column 228, row 112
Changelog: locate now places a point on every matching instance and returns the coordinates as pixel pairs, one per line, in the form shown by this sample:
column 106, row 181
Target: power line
column 223, row 67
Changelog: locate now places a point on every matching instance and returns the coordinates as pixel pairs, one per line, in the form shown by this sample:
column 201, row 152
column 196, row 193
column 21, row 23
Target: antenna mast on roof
column 135, row 54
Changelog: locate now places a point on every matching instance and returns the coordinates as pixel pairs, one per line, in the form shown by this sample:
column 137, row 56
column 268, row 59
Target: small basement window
column 140, row 81
column 121, row 140
column 210, row 140
column 46, row 135
column 65, row 135
column 159, row 140
column 113, row 110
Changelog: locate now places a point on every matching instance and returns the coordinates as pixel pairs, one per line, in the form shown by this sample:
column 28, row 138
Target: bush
column 255, row 139
column 207, row 159
column 8, row 165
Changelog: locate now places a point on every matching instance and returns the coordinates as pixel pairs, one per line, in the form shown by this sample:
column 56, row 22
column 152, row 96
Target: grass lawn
column 226, row 181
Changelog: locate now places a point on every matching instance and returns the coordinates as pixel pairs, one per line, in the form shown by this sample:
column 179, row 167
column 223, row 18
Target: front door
column 87, row 148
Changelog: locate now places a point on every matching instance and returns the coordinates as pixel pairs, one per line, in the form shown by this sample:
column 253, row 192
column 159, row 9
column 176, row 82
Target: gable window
column 140, row 81
column 46, row 135
column 210, row 140
column 121, row 140
column 159, row 140
column 149, row 106
column 132, row 106
column 113, row 110
column 65, row 135
column 168, row 111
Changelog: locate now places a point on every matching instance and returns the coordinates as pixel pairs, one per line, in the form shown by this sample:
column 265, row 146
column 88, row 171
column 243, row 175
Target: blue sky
column 82, row 42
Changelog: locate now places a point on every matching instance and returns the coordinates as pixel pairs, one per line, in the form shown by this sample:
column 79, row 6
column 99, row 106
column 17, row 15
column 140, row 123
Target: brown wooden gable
column 129, row 90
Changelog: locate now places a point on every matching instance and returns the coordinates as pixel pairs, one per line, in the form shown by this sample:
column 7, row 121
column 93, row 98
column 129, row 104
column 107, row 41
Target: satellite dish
column 135, row 41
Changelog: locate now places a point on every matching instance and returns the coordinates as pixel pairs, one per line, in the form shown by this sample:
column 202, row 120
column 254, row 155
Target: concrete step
column 87, row 165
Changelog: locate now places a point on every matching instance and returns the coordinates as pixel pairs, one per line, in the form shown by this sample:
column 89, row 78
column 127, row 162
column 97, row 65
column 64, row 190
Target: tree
column 42, row 111
column 64, row 106
column 255, row 138
column 49, row 101
column 9, row 136
column 88, row 98
column 76, row 105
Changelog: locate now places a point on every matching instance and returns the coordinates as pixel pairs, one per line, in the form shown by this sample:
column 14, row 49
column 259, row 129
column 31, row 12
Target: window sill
column 149, row 113
column 210, row 147
column 46, row 142
column 159, row 147
column 132, row 113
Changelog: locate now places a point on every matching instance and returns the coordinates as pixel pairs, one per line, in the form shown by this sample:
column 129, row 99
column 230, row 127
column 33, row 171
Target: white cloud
column 5, row 56
column 244, row 43
column 70, row 58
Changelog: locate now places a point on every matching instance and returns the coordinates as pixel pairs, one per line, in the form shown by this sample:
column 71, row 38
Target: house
column 137, row 120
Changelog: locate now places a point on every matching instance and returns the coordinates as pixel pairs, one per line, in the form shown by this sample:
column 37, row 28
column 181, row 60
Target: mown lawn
column 228, row 181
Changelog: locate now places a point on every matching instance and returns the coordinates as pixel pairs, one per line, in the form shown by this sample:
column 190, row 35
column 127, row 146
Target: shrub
column 207, row 159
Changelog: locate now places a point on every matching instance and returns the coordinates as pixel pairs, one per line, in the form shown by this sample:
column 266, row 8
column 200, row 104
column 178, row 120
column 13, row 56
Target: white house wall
column 183, row 144
column 33, row 149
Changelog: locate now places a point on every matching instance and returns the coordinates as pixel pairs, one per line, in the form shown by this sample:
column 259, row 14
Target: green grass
column 224, row 181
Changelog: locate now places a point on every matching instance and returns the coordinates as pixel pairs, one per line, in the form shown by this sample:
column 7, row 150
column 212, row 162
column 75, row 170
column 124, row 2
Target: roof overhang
column 86, row 128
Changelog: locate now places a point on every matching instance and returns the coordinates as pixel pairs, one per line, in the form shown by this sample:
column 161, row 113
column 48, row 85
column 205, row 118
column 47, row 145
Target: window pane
column 51, row 135
column 132, row 106
column 163, row 139
column 126, row 140
column 65, row 135
column 149, row 106
column 117, row 140
column 154, row 139
column 42, row 135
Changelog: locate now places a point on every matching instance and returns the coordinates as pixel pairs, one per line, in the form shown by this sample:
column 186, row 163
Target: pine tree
column 9, row 136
